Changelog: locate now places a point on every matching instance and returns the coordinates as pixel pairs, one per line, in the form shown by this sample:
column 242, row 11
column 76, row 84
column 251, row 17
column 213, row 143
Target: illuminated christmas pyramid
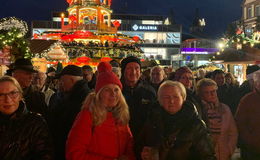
column 89, row 33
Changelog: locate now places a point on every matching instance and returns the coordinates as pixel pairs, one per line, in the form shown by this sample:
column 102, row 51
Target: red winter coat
column 107, row 141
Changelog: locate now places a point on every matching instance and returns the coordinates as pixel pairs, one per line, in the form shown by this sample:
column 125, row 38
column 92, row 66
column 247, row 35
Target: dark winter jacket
column 24, row 136
column 228, row 95
column 35, row 101
column 192, row 97
column 64, row 115
column 183, row 134
column 139, row 100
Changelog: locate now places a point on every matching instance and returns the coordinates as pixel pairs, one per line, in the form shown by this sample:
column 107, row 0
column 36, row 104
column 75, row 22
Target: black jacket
column 24, row 136
column 35, row 101
column 64, row 114
column 183, row 134
column 139, row 100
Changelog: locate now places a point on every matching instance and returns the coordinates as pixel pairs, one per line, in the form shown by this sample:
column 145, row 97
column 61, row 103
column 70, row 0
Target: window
column 249, row 13
column 257, row 10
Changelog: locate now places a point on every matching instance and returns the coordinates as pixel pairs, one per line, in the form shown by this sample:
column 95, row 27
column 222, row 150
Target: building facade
column 251, row 10
column 160, row 39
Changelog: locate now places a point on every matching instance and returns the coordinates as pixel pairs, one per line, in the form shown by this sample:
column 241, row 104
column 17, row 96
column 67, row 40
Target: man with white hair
column 248, row 120
column 40, row 84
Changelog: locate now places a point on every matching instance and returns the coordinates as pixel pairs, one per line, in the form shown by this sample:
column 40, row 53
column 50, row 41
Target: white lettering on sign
column 147, row 28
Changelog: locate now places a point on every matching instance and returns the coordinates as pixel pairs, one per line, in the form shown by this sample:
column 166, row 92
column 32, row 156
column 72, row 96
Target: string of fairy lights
column 12, row 32
column 74, row 50
column 240, row 39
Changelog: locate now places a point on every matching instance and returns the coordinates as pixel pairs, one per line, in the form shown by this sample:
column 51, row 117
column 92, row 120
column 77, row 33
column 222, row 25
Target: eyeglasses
column 12, row 95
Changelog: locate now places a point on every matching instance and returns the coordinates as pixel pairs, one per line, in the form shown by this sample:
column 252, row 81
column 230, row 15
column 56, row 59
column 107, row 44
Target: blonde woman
column 23, row 134
column 101, row 130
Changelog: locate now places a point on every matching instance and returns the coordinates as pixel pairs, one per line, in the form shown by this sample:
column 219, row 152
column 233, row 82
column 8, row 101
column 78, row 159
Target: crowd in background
column 120, row 112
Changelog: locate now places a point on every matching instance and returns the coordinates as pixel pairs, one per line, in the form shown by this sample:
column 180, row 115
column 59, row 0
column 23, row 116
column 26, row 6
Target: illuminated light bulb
column 239, row 46
column 244, row 42
column 220, row 45
column 19, row 35
column 218, row 53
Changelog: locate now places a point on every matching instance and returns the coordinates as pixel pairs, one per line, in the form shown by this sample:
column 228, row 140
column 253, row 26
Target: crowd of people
column 122, row 113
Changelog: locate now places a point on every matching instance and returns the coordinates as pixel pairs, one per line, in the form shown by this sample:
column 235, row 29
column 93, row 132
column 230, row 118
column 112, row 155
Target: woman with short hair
column 23, row 135
column 218, row 118
column 101, row 130
column 174, row 129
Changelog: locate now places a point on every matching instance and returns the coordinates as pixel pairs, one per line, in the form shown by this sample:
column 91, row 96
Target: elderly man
column 248, row 119
column 157, row 77
column 74, row 90
column 40, row 84
column 89, row 76
column 23, row 72
column 138, row 94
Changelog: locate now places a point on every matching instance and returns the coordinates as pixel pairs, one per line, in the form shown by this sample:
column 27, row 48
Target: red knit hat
column 180, row 71
column 106, row 76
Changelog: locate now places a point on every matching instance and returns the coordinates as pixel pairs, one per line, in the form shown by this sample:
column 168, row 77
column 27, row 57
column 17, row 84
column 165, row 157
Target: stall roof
column 38, row 46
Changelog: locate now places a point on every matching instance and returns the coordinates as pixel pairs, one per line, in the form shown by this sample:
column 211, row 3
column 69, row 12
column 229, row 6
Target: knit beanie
column 180, row 71
column 106, row 76
column 127, row 60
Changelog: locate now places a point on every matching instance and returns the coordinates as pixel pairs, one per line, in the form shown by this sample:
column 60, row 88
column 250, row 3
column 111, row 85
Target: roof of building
column 38, row 46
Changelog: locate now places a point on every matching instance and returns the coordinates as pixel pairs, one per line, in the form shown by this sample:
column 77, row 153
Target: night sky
column 217, row 13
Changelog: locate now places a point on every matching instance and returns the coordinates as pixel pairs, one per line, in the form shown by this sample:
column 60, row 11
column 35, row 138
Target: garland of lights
column 12, row 32
column 241, row 39
column 12, row 22
column 92, row 52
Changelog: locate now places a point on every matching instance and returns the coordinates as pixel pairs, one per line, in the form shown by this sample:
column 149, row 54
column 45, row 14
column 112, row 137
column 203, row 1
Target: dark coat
column 64, row 114
column 35, row 101
column 228, row 95
column 194, row 99
column 139, row 100
column 24, row 136
column 183, row 133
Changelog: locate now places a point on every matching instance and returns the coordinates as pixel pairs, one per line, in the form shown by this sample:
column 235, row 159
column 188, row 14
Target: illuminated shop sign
column 199, row 50
column 144, row 27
